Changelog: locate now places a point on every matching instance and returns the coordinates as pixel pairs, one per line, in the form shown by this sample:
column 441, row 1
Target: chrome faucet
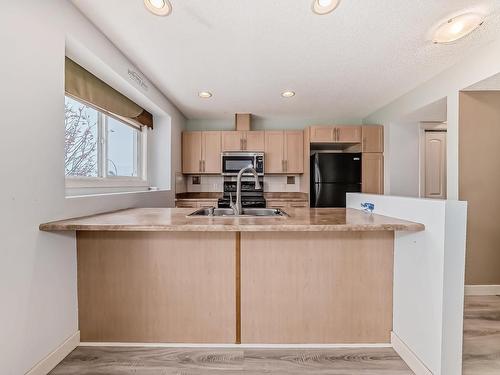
column 237, row 210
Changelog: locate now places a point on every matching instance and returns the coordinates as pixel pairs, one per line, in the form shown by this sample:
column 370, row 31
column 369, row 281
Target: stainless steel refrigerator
column 332, row 176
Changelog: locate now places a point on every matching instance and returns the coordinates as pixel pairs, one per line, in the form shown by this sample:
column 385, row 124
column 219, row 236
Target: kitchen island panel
column 157, row 287
column 316, row 288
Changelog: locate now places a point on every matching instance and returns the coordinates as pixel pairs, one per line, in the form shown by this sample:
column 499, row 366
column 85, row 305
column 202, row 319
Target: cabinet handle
column 363, row 144
column 245, row 140
column 203, row 165
column 286, row 165
column 199, row 166
column 282, row 166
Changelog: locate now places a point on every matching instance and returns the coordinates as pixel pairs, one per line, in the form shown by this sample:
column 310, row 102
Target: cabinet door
column 254, row 141
column 373, row 173
column 211, row 152
column 277, row 204
column 294, row 151
column 373, row 138
column 191, row 152
column 348, row 134
column 322, row 134
column 205, row 204
column 186, row 204
column 301, row 204
column 274, row 149
column 232, row 140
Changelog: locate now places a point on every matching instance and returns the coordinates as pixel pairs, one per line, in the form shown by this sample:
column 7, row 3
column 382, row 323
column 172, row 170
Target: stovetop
column 250, row 197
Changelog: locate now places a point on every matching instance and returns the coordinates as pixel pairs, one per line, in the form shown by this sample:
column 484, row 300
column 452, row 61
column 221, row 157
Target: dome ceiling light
column 457, row 27
column 323, row 7
column 288, row 94
column 205, row 94
column 159, row 7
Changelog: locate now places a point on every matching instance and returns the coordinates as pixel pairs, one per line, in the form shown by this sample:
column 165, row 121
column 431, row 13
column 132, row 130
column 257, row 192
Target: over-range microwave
column 234, row 161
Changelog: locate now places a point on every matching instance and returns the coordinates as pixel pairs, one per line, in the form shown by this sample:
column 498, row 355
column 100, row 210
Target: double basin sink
column 246, row 212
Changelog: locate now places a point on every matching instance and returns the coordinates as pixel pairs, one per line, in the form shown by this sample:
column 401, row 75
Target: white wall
column 402, row 157
column 481, row 63
column 38, row 270
column 429, row 271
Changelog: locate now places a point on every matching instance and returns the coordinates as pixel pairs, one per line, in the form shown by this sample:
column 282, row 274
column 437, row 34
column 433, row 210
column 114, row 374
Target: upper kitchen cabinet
column 191, row 152
column 254, row 141
column 373, row 138
column 335, row 134
column 372, row 170
column 348, row 134
column 284, row 151
column 243, row 141
column 201, row 152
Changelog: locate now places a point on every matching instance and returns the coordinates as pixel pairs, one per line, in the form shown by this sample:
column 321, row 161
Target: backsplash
column 214, row 184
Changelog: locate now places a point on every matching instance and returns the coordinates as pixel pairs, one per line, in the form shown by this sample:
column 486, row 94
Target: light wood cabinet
column 335, row 134
column 211, row 149
column 373, row 138
column 284, row 204
column 373, row 173
column 190, row 203
column 284, row 151
column 201, row 152
column 322, row 134
column 243, row 141
column 232, row 140
column 274, row 152
column 254, row 141
column 191, row 152
column 348, row 134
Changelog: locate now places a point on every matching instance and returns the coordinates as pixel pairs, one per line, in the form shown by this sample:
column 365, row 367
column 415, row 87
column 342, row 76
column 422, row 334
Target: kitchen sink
column 247, row 212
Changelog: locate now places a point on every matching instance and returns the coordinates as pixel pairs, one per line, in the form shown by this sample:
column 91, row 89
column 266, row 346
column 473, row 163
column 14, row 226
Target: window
column 100, row 149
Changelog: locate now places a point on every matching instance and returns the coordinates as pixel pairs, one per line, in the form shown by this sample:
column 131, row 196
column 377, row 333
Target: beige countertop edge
column 176, row 220
column 416, row 227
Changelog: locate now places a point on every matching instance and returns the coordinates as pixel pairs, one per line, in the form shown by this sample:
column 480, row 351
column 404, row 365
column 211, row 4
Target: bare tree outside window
column 81, row 139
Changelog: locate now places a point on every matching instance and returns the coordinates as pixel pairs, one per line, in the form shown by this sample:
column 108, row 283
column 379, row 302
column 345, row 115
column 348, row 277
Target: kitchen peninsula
column 157, row 275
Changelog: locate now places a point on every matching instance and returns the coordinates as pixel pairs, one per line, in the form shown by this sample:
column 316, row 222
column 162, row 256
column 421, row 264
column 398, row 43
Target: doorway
column 433, row 149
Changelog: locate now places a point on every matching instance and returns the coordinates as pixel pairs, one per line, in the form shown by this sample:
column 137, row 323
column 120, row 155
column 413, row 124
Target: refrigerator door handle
column 317, row 171
column 317, row 188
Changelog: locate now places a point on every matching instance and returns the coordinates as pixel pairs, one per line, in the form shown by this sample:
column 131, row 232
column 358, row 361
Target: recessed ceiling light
column 205, row 94
column 159, row 7
column 288, row 94
column 457, row 27
column 324, row 6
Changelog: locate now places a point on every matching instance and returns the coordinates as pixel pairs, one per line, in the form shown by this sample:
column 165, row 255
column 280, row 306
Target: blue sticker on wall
column 368, row 207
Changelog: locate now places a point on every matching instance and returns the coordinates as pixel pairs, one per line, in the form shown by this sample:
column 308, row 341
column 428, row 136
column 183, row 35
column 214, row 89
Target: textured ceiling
column 342, row 66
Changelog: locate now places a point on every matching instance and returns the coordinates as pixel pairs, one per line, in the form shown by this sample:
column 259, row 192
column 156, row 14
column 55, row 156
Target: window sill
column 110, row 182
column 76, row 195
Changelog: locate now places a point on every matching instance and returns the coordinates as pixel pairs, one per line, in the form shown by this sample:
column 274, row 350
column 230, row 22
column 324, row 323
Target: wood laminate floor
column 481, row 355
column 149, row 361
column 482, row 335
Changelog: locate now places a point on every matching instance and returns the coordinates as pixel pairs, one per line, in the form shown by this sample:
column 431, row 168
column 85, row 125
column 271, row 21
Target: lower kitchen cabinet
column 170, row 287
column 316, row 287
column 190, row 203
column 284, row 204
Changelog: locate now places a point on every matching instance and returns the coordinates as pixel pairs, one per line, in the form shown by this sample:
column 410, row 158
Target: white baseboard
column 482, row 290
column 237, row 346
column 52, row 360
column 408, row 356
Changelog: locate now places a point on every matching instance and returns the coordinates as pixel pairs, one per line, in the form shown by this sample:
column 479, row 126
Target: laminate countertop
column 176, row 220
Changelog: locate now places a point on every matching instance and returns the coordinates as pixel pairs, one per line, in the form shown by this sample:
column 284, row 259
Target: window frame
column 103, row 180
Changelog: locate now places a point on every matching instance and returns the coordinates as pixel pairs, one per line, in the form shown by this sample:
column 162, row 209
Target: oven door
column 232, row 164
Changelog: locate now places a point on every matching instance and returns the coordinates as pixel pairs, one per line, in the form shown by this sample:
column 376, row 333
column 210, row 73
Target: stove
column 250, row 197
